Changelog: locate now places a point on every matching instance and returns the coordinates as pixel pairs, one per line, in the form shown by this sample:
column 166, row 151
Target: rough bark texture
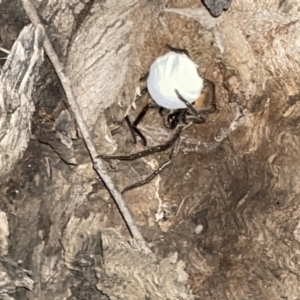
column 99, row 56
column 17, row 80
column 121, row 270
column 228, row 204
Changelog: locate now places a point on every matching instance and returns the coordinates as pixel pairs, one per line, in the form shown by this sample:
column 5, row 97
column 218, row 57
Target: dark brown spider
column 193, row 112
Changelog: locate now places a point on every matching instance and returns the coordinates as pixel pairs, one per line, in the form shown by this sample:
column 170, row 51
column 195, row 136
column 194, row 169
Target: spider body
column 175, row 85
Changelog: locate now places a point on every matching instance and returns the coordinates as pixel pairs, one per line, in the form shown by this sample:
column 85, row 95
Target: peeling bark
column 17, row 80
column 98, row 58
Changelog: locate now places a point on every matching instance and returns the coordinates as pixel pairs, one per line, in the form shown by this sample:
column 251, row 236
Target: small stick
column 181, row 204
column 98, row 163
column 4, row 50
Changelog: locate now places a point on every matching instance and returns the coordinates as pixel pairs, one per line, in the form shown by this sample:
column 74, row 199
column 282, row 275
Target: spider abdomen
column 174, row 71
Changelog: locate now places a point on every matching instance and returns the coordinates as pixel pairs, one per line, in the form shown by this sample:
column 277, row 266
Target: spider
column 175, row 85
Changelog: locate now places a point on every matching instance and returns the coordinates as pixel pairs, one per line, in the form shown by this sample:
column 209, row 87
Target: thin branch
column 4, row 50
column 181, row 204
column 98, row 163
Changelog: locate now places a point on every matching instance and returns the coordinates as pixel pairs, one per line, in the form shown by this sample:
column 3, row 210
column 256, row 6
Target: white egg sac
column 174, row 71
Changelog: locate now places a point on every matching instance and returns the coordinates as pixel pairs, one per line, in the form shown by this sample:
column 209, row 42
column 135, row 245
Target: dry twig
column 98, row 164
column 4, row 50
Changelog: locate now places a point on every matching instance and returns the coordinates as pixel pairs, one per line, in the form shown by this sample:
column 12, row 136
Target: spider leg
column 177, row 50
column 194, row 119
column 148, row 179
column 147, row 152
column 134, row 131
column 144, row 78
column 195, row 113
column 158, row 170
column 208, row 109
column 133, row 126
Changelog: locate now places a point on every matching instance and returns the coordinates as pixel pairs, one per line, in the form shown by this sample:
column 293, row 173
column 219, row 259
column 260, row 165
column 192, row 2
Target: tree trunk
column 222, row 219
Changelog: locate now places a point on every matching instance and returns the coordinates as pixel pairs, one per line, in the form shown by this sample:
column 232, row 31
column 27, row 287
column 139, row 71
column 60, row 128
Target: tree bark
column 17, row 81
column 235, row 178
